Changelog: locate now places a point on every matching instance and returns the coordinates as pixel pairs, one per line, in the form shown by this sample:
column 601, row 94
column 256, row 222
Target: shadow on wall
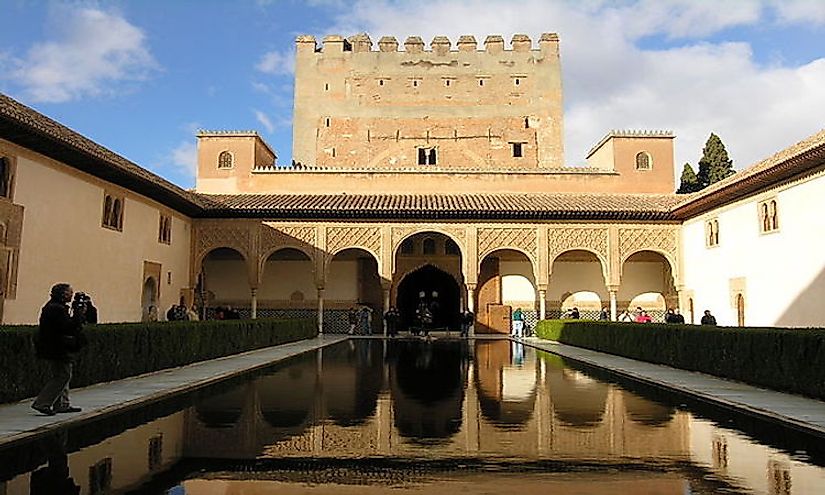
column 806, row 309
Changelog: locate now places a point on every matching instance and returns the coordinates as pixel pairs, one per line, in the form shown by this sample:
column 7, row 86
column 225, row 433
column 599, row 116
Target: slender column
column 542, row 303
column 385, row 288
column 471, row 306
column 613, row 290
column 320, row 310
column 254, row 291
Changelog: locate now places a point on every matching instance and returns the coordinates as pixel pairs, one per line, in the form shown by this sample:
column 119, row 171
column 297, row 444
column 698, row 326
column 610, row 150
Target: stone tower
column 448, row 107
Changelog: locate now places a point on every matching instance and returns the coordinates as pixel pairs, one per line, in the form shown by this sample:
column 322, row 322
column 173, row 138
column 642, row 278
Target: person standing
column 352, row 320
column 708, row 319
column 391, row 319
column 518, row 323
column 467, row 320
column 58, row 337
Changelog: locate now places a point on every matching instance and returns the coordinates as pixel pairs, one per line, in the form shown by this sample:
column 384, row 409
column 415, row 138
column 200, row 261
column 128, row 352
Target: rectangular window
column 155, row 452
column 427, row 156
column 518, row 150
column 100, row 477
column 113, row 211
column 768, row 216
column 6, row 174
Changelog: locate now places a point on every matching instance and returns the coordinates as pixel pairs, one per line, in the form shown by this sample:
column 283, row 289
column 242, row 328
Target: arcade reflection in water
column 419, row 401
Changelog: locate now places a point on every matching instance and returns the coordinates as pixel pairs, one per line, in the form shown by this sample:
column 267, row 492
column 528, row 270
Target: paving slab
column 792, row 410
column 18, row 422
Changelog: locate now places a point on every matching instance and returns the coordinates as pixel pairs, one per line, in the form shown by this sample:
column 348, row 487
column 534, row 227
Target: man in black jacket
column 58, row 337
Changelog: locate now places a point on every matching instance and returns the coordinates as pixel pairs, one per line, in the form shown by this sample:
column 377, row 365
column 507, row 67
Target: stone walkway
column 19, row 422
column 794, row 410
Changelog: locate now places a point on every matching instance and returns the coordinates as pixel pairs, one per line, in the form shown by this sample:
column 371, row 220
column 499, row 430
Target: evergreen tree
column 715, row 164
column 689, row 182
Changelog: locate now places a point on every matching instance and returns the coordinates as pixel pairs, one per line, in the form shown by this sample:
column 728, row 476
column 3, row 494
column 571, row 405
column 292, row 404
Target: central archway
column 438, row 289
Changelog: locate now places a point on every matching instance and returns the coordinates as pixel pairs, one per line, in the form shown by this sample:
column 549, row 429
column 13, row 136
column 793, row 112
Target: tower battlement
column 439, row 45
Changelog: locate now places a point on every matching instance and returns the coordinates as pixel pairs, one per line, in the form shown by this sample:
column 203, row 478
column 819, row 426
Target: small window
column 768, row 216
column 155, row 453
column 326, row 86
column 333, row 152
column 415, row 82
column 5, row 177
column 526, row 122
column 225, row 160
column 100, row 477
column 643, row 161
column 481, row 82
column 407, row 247
column 517, row 81
column 380, row 82
column 712, row 233
column 448, row 82
column 326, row 122
column 428, row 246
column 112, row 212
column 165, row 229
column 517, row 148
column 427, row 156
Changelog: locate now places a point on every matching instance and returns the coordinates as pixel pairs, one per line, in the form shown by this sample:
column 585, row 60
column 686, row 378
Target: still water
column 420, row 417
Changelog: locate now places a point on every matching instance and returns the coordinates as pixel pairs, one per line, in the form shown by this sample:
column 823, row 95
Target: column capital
column 542, row 287
column 612, row 288
column 386, row 284
column 471, row 286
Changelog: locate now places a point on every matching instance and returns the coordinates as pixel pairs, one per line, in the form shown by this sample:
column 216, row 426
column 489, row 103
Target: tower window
column 225, row 160
column 427, row 156
column 643, row 161
column 448, row 82
column 516, row 81
column 481, row 82
column 518, row 150
column 768, row 216
column 326, row 86
column 326, row 122
column 380, row 82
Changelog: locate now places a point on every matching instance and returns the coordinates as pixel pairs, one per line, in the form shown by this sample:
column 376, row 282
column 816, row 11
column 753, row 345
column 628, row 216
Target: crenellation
column 388, row 44
column 306, row 43
column 521, row 43
column 440, row 45
column 494, row 44
column 361, row 42
column 467, row 43
column 414, row 44
column 334, row 43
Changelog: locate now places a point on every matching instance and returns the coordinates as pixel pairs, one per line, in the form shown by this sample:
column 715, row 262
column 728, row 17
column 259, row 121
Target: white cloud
column 93, row 53
column 264, row 121
column 185, row 158
column 612, row 82
column 277, row 62
column 800, row 11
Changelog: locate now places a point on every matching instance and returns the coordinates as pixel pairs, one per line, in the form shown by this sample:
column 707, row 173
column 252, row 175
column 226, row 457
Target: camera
column 81, row 302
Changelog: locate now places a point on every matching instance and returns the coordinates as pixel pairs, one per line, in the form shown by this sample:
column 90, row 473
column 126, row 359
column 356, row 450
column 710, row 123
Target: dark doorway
column 433, row 286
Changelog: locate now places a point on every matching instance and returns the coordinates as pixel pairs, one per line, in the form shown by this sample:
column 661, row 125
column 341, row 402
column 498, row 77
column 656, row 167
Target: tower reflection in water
column 452, row 407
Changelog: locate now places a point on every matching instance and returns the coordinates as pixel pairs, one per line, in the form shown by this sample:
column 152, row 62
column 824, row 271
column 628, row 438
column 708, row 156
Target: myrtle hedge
column 121, row 350
column 790, row 360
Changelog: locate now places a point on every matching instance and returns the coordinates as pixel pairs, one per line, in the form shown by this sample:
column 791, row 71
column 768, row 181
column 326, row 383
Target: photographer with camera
column 58, row 338
column 84, row 300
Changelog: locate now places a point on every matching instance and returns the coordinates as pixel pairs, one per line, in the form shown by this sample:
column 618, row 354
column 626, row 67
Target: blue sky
column 140, row 77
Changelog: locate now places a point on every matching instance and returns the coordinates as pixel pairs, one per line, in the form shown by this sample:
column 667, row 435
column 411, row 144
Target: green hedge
column 121, row 350
column 789, row 360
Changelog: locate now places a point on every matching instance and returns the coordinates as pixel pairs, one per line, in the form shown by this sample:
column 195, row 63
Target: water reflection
column 433, row 414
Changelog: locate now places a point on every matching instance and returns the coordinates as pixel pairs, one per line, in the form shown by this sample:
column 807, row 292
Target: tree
column 690, row 182
column 715, row 164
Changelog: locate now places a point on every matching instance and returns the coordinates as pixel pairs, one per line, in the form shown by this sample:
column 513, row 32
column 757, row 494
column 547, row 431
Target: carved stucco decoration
column 211, row 237
column 301, row 237
column 663, row 240
column 458, row 234
column 491, row 239
column 560, row 240
column 369, row 238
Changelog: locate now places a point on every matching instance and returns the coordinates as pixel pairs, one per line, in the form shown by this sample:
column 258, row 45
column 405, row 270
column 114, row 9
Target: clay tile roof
column 445, row 206
column 793, row 161
column 30, row 129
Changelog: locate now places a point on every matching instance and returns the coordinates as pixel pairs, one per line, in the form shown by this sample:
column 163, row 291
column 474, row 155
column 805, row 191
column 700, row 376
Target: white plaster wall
column 516, row 282
column 283, row 277
column 63, row 241
column 784, row 271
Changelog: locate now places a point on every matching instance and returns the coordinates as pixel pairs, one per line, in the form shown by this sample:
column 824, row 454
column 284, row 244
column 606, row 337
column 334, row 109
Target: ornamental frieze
column 339, row 238
column 661, row 239
column 459, row 234
column 213, row 237
column 273, row 236
column 491, row 239
column 562, row 239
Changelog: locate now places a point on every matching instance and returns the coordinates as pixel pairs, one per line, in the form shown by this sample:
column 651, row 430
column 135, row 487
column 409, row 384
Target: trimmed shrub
column 784, row 359
column 120, row 350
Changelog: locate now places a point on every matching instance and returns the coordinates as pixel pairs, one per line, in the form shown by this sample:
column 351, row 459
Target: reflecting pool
column 417, row 416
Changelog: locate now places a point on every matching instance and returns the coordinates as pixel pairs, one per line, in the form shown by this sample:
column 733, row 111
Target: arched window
column 407, row 246
column 740, row 310
column 450, row 247
column 766, row 220
column 225, row 160
column 429, row 246
column 643, row 161
column 117, row 215
column 107, row 211
column 772, row 213
column 716, row 232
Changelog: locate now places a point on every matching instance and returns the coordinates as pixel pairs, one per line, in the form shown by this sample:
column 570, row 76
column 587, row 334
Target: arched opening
column 224, row 282
column 287, row 287
column 505, row 282
column 647, row 283
column 740, row 310
column 353, row 283
column 428, row 271
column 288, row 410
column 221, row 411
column 352, row 377
column 578, row 400
column 588, row 304
column 506, row 388
column 149, row 300
column 434, row 288
column 576, row 280
column 646, row 412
